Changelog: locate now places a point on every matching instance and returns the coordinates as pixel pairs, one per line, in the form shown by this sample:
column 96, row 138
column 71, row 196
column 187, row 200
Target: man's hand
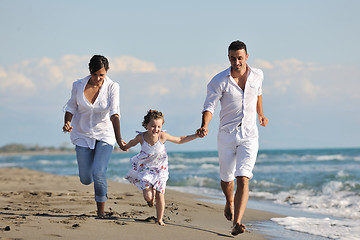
column 202, row 132
column 263, row 121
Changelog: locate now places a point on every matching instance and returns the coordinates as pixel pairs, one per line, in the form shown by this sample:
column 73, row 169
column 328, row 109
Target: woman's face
column 98, row 77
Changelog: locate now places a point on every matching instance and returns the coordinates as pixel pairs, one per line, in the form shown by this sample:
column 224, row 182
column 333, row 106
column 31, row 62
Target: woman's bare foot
column 228, row 212
column 100, row 209
column 237, row 229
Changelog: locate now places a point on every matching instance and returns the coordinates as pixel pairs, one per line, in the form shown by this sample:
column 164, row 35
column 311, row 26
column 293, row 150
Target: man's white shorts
column 237, row 155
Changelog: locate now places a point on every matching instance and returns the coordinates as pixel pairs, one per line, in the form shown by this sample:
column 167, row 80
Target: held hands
column 122, row 145
column 202, row 132
column 263, row 120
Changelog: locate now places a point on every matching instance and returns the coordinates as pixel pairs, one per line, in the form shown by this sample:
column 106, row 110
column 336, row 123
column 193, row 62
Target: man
column 239, row 90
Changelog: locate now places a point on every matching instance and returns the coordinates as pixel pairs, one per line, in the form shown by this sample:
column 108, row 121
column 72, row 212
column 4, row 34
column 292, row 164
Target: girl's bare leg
column 149, row 196
column 160, row 207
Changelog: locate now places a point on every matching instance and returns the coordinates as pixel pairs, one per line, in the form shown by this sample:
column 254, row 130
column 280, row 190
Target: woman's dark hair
column 237, row 45
column 152, row 114
column 98, row 62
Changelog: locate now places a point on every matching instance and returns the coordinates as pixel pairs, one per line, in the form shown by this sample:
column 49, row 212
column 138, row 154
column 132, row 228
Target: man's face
column 238, row 59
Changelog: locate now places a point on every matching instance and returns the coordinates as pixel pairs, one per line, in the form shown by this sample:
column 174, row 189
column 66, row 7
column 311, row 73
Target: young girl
column 149, row 171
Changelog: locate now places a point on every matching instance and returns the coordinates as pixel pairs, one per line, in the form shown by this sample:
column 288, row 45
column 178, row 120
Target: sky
column 163, row 54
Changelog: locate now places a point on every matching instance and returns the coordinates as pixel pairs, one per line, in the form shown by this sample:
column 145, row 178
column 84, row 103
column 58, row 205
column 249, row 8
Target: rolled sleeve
column 214, row 94
column 71, row 106
column 115, row 100
column 260, row 84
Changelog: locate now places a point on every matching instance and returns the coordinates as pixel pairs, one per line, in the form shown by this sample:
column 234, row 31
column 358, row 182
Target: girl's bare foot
column 161, row 223
column 150, row 203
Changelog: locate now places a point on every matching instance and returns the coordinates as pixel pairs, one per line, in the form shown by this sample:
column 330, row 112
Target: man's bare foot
column 237, row 229
column 228, row 212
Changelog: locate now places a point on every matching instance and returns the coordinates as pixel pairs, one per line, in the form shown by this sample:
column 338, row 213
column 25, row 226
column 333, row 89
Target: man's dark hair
column 237, row 45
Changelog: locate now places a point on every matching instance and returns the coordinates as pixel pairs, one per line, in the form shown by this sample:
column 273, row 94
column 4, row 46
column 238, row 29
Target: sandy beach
column 37, row 205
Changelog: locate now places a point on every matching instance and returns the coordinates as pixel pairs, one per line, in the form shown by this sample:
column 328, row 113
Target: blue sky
column 163, row 54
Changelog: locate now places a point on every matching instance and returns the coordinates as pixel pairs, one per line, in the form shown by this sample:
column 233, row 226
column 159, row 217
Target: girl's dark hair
column 152, row 114
column 237, row 45
column 97, row 62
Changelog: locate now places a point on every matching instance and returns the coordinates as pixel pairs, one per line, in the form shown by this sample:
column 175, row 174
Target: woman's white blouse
column 92, row 122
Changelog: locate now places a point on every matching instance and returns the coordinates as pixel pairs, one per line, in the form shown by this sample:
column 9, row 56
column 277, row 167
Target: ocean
column 318, row 190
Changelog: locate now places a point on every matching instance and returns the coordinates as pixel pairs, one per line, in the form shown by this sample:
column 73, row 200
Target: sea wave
column 325, row 227
column 335, row 199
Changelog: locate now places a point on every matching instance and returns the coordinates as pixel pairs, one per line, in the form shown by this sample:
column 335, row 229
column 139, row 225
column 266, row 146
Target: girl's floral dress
column 149, row 168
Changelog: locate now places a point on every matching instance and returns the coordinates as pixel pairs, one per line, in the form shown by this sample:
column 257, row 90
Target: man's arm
column 206, row 118
column 259, row 107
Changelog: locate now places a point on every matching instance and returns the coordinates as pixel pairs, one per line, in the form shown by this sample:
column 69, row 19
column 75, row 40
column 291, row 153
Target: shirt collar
column 228, row 71
column 86, row 79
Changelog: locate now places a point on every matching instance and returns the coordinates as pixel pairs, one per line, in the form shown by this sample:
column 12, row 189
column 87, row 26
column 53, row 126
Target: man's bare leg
column 228, row 189
column 240, row 202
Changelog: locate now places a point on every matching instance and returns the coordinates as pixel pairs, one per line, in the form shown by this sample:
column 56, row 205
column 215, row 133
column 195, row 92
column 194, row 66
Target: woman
column 92, row 117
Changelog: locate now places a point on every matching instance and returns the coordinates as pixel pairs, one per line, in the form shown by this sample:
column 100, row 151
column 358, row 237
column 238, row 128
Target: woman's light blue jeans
column 92, row 165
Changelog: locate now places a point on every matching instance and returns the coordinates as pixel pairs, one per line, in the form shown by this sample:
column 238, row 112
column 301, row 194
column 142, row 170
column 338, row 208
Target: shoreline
column 43, row 206
column 52, row 152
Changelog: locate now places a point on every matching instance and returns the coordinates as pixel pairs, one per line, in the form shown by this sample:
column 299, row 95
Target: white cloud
column 289, row 78
column 131, row 64
column 309, row 81
column 311, row 89
column 263, row 64
column 41, row 87
column 14, row 83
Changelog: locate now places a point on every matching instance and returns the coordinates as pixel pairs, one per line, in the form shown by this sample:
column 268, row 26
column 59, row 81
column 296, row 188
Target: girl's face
column 154, row 126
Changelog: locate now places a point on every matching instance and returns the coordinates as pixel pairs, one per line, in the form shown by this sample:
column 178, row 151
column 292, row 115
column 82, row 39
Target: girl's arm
column 133, row 142
column 179, row 140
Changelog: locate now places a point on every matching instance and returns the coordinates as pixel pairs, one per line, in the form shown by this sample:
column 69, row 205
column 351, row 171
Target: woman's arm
column 179, row 140
column 67, row 122
column 115, row 119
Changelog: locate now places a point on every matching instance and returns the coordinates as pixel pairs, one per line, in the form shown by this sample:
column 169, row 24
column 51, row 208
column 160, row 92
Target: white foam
column 263, row 183
column 201, row 191
column 210, row 166
column 194, row 160
column 120, row 161
column 334, row 200
column 325, row 227
column 51, row 162
column 330, row 157
column 178, row 166
column 6, row 165
column 120, row 180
